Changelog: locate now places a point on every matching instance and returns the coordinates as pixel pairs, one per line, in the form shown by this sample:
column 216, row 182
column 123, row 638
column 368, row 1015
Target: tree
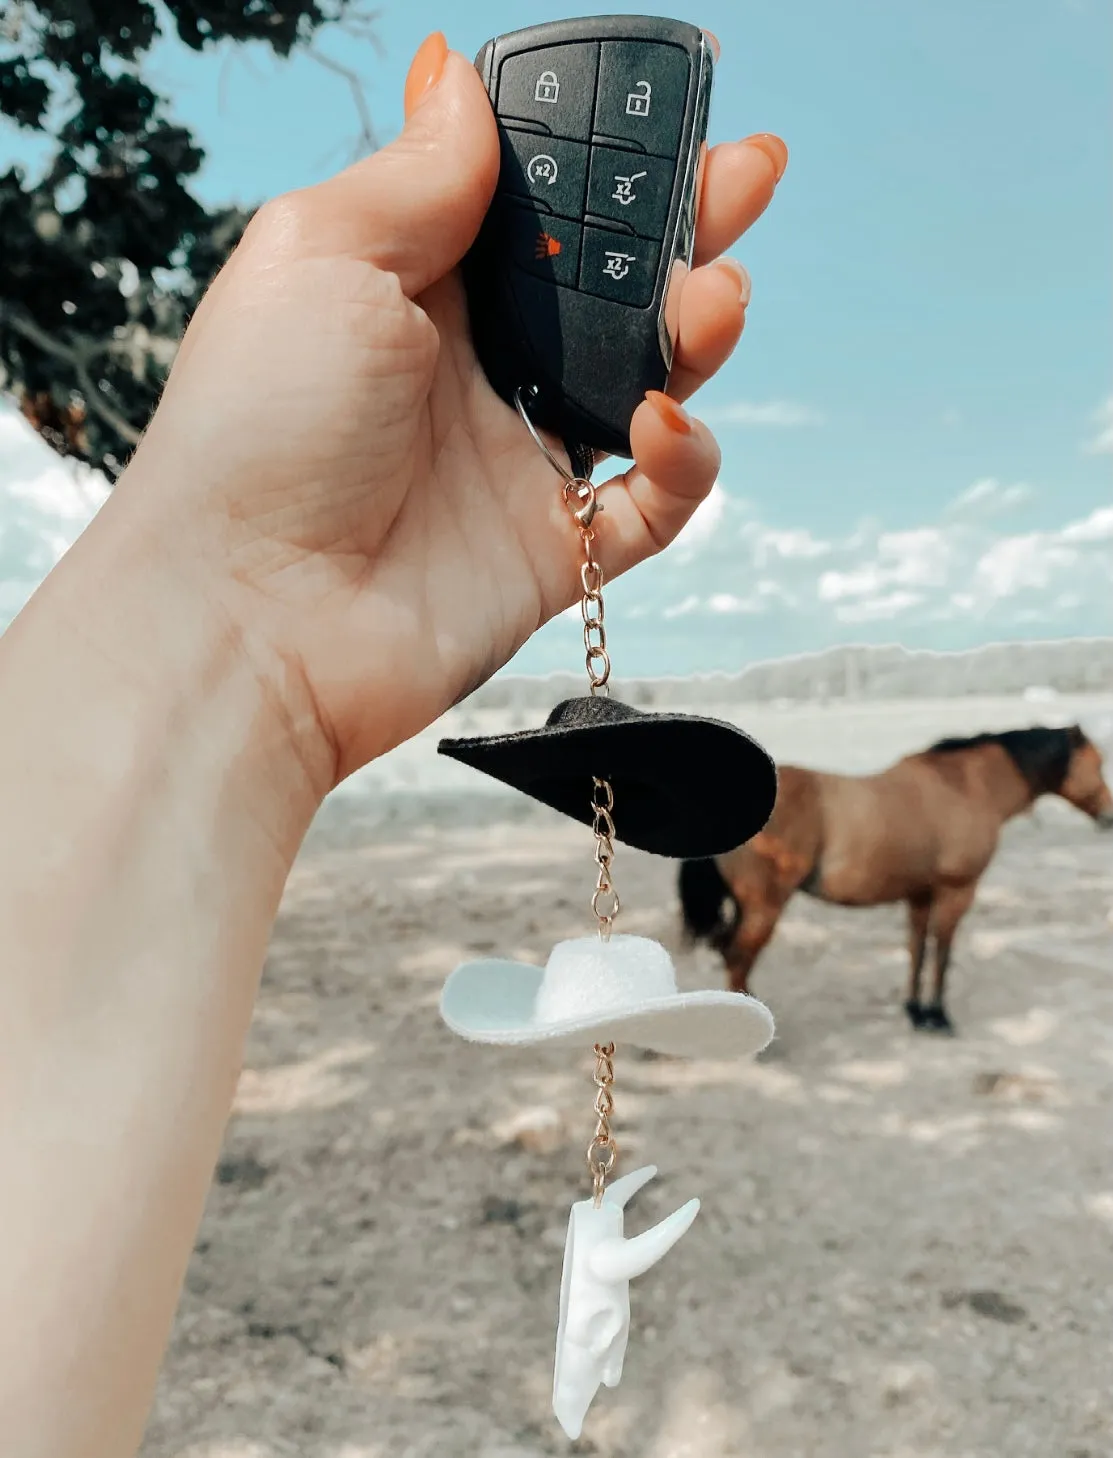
column 105, row 252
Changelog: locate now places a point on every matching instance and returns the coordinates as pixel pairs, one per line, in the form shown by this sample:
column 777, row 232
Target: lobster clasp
column 580, row 489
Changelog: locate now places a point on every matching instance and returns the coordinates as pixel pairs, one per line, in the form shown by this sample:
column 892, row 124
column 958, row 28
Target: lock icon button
column 637, row 103
column 548, row 88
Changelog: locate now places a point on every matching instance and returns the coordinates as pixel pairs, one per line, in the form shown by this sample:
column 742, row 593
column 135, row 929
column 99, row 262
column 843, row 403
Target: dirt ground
column 906, row 1242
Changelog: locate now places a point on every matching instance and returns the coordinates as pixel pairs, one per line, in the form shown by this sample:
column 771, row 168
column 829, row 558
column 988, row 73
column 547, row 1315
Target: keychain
column 597, row 759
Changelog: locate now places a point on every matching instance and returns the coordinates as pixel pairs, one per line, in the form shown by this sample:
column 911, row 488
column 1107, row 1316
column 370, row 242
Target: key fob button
column 618, row 266
column 545, row 246
column 554, row 87
column 631, row 188
column 550, row 170
column 642, row 93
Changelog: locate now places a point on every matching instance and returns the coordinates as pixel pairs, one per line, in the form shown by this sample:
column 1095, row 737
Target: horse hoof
column 935, row 1019
column 915, row 1013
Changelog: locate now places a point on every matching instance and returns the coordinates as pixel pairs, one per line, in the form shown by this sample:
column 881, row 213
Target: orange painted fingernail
column 773, row 148
column 670, row 412
column 739, row 272
column 713, row 42
column 425, row 71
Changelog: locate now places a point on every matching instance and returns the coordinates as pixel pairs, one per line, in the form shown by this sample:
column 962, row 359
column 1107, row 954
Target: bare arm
column 152, row 800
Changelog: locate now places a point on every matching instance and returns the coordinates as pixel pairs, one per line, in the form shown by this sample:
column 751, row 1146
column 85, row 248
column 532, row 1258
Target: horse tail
column 711, row 910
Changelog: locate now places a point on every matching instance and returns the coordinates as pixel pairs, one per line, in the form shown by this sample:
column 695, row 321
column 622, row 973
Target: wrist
column 146, row 645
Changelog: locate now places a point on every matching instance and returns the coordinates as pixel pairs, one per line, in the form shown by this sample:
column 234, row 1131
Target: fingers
column 739, row 180
column 676, row 462
column 711, row 318
column 415, row 206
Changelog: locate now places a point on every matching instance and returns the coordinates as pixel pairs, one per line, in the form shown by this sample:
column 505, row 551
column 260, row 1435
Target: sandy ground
column 906, row 1242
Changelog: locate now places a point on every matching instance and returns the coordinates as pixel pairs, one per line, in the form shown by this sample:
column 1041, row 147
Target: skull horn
column 622, row 1190
column 621, row 1260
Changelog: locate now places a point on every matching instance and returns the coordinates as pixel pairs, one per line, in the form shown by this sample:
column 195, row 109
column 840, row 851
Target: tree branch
column 68, row 355
column 367, row 131
column 363, row 25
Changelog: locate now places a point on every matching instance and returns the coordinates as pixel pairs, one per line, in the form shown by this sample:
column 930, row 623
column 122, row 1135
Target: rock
column 537, row 1129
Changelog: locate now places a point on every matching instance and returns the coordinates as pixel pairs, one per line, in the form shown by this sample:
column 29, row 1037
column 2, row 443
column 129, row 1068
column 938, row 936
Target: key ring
column 582, row 458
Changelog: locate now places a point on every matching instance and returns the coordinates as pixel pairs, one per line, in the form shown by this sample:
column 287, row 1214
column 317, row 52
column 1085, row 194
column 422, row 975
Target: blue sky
column 917, row 429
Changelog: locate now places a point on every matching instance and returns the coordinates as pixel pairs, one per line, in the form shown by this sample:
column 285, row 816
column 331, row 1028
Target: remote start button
column 547, row 169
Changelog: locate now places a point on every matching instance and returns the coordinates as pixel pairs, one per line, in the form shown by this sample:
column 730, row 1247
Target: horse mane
column 1041, row 755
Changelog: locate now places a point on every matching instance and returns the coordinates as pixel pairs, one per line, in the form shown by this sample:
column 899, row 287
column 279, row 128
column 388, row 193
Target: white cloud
column 726, row 602
column 988, row 497
column 875, row 609
column 61, row 489
column 681, row 609
column 782, row 414
column 1097, row 527
column 704, row 522
column 764, row 595
column 916, row 558
column 45, row 502
column 1051, row 562
column 793, row 542
column 1015, row 564
column 1102, row 443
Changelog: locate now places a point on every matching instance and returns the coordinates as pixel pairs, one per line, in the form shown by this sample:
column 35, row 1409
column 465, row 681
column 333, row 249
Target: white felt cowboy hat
column 590, row 991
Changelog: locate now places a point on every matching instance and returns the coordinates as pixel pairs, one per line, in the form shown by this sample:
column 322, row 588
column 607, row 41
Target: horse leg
column 754, row 930
column 947, row 910
column 919, row 910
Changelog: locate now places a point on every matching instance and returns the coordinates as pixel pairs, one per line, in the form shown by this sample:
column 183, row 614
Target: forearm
column 151, row 802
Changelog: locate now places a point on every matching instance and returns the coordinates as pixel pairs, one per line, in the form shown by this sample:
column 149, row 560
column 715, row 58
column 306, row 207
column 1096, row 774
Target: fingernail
column 713, row 42
column 773, row 148
column 732, row 266
column 425, row 71
column 670, row 412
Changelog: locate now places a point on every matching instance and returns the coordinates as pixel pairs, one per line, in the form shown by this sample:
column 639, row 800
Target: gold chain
column 580, row 490
column 604, row 899
column 603, row 1150
column 579, row 496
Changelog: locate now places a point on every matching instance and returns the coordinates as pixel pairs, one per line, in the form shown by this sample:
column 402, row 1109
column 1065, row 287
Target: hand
column 365, row 507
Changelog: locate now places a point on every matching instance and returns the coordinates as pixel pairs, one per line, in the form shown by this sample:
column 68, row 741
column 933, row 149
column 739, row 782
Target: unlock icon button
column 642, row 97
column 637, row 103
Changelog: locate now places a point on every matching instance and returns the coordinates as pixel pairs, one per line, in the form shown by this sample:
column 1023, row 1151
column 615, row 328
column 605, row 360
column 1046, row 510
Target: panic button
column 642, row 91
column 545, row 246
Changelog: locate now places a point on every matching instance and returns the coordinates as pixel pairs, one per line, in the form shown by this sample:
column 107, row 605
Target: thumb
column 415, row 206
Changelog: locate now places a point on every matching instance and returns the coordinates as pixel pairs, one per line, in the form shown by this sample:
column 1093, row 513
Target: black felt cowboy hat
column 683, row 786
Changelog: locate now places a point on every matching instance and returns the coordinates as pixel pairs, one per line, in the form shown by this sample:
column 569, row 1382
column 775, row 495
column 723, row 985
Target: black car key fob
column 602, row 125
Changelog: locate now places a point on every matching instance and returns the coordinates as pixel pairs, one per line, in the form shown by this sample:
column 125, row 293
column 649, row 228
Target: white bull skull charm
column 599, row 1264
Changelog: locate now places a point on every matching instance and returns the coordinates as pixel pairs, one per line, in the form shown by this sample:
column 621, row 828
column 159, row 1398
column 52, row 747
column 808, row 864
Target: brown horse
column 922, row 831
